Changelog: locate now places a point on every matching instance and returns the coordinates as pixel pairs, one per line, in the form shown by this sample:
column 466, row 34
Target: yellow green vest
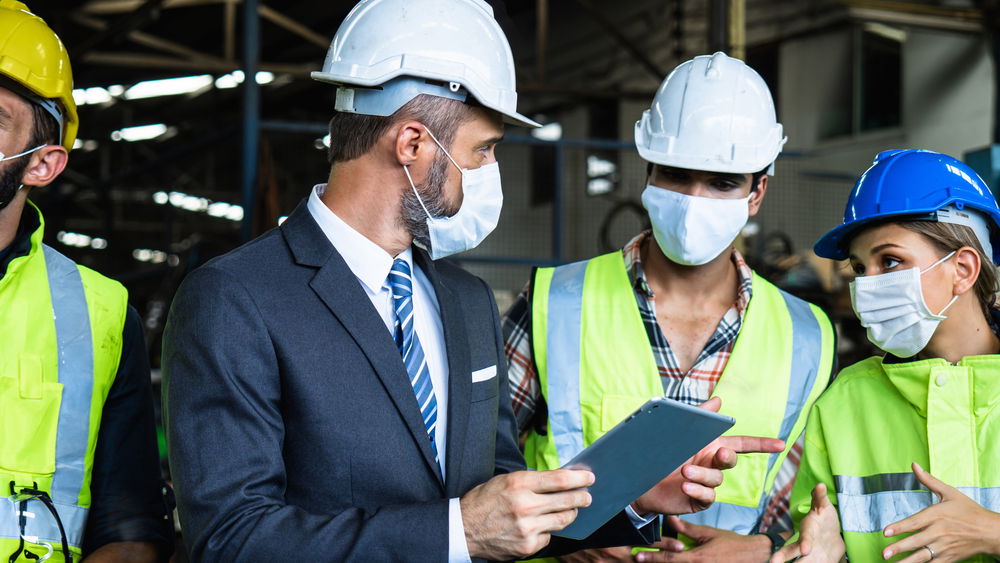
column 595, row 367
column 62, row 337
column 878, row 418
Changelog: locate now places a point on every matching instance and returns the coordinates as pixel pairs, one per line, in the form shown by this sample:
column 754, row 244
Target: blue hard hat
column 911, row 185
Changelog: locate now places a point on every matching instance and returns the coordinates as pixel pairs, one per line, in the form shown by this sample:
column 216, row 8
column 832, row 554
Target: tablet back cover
column 638, row 453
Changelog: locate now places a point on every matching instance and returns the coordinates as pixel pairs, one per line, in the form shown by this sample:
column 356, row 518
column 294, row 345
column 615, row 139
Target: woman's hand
column 952, row 530
column 819, row 534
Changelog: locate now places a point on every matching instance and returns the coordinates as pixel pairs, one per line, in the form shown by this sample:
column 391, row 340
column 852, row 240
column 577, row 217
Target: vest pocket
column 745, row 483
column 28, row 419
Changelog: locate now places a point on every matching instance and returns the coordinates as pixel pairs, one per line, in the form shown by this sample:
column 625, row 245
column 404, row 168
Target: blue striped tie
column 401, row 285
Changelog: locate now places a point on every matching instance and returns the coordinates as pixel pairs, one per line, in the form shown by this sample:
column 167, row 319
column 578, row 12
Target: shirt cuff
column 639, row 521
column 458, row 550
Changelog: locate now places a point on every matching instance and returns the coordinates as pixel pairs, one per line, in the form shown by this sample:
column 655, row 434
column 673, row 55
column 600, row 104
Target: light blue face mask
column 475, row 219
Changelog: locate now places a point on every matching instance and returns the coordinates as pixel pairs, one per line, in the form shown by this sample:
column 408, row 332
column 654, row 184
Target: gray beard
column 431, row 190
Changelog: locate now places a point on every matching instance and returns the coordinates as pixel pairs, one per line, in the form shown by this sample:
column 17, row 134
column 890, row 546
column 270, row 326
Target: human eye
column 858, row 268
column 890, row 262
column 725, row 185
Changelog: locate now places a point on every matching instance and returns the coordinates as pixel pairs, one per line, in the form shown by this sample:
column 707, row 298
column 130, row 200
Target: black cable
column 604, row 234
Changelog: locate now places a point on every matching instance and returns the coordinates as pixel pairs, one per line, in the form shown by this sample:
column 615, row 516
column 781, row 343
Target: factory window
column 764, row 59
column 602, row 164
column 869, row 94
column 880, row 77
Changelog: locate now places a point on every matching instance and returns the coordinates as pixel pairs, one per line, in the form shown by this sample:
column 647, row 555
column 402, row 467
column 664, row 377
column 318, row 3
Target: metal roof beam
column 147, row 12
column 611, row 29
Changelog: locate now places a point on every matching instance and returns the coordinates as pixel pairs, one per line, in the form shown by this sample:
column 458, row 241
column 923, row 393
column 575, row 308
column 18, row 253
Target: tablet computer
column 638, row 453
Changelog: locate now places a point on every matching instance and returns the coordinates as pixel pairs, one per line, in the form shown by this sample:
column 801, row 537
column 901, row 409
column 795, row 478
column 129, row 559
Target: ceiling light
column 168, row 87
column 548, row 132
column 139, row 132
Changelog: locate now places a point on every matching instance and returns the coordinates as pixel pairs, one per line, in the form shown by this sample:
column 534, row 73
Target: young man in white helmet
column 677, row 312
column 354, row 385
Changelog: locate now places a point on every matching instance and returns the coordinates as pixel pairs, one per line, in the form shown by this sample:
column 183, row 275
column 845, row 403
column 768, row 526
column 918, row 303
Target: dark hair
column 44, row 128
column 352, row 134
column 754, row 178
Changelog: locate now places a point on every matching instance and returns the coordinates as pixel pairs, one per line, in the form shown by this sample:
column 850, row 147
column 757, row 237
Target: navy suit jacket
column 292, row 427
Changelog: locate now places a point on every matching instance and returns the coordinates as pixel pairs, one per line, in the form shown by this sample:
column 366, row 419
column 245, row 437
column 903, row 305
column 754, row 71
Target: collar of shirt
column 633, row 264
column 369, row 262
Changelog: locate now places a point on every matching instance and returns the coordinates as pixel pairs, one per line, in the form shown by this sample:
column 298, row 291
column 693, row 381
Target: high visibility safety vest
column 61, row 345
column 595, row 368
column 878, row 418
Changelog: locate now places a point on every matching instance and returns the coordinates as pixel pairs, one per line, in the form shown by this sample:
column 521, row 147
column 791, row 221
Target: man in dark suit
column 332, row 392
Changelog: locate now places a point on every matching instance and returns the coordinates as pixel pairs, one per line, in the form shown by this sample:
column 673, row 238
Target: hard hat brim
column 834, row 244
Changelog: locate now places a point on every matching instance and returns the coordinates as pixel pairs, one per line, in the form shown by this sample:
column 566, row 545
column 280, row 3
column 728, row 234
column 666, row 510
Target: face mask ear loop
column 29, row 151
column 950, row 303
column 935, row 265
column 443, row 149
column 406, row 170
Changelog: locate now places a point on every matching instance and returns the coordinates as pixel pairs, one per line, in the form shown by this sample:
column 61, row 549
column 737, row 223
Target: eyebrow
column 876, row 250
column 731, row 176
column 493, row 140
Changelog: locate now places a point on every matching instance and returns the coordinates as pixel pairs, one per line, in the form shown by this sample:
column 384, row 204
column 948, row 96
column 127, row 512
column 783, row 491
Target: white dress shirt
column 370, row 263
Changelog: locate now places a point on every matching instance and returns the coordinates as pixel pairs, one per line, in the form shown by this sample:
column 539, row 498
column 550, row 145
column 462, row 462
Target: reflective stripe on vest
column 76, row 374
column 868, row 504
column 804, row 355
column 41, row 525
column 807, row 342
column 563, row 349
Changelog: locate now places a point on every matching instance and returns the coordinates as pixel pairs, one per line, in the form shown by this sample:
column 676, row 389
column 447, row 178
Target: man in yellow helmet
column 78, row 464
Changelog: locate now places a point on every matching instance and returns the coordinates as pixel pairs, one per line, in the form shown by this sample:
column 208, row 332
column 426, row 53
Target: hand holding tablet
column 650, row 454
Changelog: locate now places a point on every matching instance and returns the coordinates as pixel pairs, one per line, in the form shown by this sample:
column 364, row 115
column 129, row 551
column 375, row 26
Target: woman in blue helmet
column 902, row 452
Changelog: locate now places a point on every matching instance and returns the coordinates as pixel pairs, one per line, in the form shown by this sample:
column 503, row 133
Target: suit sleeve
column 618, row 531
column 225, row 432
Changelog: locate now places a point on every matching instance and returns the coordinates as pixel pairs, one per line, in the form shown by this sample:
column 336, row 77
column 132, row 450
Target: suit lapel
column 336, row 285
column 459, row 369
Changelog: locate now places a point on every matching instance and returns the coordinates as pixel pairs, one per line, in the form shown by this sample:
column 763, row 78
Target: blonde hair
column 949, row 237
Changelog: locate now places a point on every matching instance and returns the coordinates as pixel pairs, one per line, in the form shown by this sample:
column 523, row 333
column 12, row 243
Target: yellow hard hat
column 33, row 57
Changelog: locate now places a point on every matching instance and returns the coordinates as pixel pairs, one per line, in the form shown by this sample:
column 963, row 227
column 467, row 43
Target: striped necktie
column 401, row 285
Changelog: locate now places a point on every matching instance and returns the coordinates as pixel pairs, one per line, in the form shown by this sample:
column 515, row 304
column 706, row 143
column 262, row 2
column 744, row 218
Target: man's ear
column 757, row 195
column 411, row 143
column 967, row 266
column 47, row 163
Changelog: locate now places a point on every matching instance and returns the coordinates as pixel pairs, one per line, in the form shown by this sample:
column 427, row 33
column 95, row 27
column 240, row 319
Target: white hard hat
column 711, row 113
column 387, row 52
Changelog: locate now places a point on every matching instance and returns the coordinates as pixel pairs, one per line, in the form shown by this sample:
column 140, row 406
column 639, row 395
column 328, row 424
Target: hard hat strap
column 387, row 98
column 50, row 106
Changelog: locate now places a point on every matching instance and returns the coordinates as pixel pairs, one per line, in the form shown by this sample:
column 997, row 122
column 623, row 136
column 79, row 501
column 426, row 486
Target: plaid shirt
column 692, row 387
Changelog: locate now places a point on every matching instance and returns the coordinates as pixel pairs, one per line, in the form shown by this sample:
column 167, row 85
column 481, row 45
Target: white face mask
column 476, row 218
column 891, row 306
column 693, row 230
